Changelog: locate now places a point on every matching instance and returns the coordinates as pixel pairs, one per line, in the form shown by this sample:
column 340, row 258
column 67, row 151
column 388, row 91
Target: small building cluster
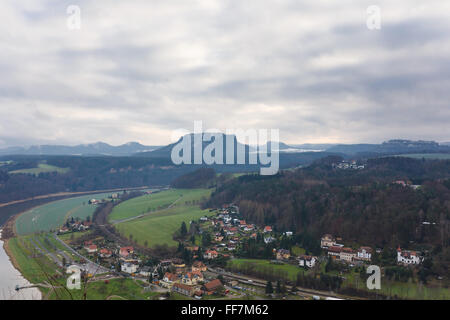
column 188, row 281
column 75, row 226
column 364, row 254
column 404, row 183
column 344, row 164
column 407, row 257
column 340, row 252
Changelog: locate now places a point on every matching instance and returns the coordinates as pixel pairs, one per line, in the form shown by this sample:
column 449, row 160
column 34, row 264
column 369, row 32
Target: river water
column 10, row 277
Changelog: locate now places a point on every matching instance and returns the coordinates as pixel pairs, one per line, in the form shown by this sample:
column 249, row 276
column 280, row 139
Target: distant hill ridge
column 98, row 148
column 135, row 148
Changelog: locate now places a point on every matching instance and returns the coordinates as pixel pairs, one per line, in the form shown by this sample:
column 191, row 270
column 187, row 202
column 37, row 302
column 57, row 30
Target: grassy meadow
column 41, row 168
column 157, row 228
column 283, row 271
column 156, row 201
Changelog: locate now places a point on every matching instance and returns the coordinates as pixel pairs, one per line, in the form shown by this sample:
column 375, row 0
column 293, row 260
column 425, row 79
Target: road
column 38, row 245
column 90, row 266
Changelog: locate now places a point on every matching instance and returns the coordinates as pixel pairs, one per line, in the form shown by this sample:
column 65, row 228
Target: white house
column 129, row 267
column 408, row 257
column 364, row 253
column 307, row 261
column 268, row 239
column 145, row 271
column 91, row 248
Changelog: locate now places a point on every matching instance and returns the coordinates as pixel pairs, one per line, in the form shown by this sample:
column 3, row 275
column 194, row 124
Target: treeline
column 203, row 177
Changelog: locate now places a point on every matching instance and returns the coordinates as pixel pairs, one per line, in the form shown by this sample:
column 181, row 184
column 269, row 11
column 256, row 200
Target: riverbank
column 36, row 294
column 9, row 228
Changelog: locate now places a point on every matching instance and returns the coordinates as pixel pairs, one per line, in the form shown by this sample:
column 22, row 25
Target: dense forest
column 364, row 207
column 85, row 174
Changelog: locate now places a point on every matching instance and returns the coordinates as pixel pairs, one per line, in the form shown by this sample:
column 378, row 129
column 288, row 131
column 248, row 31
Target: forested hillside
column 360, row 205
column 201, row 178
column 84, row 174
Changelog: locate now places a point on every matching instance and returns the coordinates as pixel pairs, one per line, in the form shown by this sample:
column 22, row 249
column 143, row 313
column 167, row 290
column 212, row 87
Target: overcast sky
column 137, row 70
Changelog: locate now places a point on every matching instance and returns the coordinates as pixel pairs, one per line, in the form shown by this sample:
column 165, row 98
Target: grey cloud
column 314, row 69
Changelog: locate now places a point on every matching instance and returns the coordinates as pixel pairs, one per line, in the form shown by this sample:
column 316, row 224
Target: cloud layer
column 137, row 70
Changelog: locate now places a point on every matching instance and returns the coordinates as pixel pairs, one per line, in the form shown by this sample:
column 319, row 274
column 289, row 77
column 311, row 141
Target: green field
column 283, row 271
column 32, row 268
column 439, row 156
column 143, row 204
column 406, row 290
column 53, row 215
column 68, row 237
column 157, row 201
column 158, row 227
column 41, row 168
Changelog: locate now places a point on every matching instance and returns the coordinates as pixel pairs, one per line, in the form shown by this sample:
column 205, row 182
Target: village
column 193, row 273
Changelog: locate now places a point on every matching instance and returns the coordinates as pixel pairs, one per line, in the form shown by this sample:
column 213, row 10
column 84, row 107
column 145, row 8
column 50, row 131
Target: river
column 10, row 277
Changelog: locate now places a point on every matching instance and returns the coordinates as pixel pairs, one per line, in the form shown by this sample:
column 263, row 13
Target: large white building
column 129, row 267
column 408, row 257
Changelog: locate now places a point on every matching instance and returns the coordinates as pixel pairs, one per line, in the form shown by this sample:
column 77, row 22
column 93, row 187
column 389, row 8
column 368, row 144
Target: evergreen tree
column 269, row 288
column 278, row 289
column 183, row 230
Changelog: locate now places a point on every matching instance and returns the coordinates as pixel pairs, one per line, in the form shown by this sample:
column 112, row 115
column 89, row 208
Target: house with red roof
column 198, row 266
column 105, row 253
column 126, row 251
column 169, row 279
column 91, row 248
column 192, row 278
column 347, row 254
column 210, row 254
column 407, row 257
column 212, row 286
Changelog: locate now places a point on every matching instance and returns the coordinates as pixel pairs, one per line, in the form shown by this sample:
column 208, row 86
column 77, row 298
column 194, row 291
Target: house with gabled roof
column 307, row 261
column 364, row 254
column 126, row 251
column 407, row 257
column 169, row 279
column 198, row 266
column 183, row 289
column 212, row 286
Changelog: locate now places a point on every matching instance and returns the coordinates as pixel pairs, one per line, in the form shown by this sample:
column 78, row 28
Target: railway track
column 262, row 283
